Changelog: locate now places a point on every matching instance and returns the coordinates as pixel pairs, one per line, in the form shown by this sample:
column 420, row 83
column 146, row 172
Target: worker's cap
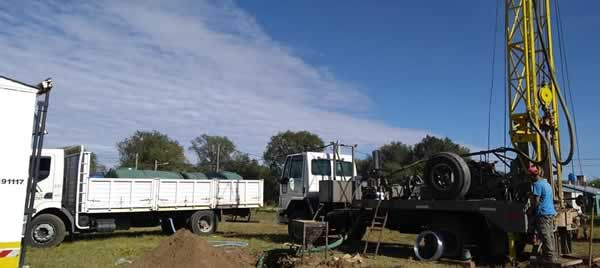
column 533, row 170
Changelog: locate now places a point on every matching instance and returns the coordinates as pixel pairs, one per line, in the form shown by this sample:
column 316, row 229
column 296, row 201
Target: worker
column 543, row 212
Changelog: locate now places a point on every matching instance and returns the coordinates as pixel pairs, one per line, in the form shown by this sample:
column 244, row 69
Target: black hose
column 560, row 97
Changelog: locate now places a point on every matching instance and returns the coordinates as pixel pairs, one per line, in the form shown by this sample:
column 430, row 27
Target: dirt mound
column 185, row 249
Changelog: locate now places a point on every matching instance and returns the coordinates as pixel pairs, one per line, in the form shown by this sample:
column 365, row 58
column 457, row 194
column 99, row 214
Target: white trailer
column 69, row 201
column 17, row 113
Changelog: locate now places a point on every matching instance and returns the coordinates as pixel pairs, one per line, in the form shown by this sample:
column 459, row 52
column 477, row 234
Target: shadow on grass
column 103, row 236
column 274, row 238
column 394, row 250
column 406, row 251
column 243, row 220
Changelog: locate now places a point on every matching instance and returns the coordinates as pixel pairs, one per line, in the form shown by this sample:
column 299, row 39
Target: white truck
column 69, row 201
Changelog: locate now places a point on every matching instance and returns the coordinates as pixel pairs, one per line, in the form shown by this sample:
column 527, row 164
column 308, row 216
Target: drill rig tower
column 534, row 98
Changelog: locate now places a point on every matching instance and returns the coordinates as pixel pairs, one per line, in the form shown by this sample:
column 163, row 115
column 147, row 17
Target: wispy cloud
column 183, row 68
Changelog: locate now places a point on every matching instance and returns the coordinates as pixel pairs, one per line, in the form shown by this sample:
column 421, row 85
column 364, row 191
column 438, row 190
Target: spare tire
column 448, row 176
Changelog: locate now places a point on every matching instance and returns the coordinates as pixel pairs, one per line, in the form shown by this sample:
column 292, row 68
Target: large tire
column 203, row 222
column 448, row 176
column 452, row 232
column 47, row 230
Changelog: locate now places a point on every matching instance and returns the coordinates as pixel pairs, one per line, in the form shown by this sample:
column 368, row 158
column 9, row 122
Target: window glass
column 44, row 168
column 296, row 167
column 286, row 168
column 344, row 169
column 321, row 167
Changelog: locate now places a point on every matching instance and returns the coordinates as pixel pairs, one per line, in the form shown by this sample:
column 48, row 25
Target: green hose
column 333, row 245
column 261, row 259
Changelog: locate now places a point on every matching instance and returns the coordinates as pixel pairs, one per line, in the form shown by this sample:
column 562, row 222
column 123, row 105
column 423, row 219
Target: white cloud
column 182, row 68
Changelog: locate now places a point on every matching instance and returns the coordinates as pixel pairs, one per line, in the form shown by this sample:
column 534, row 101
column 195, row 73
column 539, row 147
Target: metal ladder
column 377, row 224
column 82, row 181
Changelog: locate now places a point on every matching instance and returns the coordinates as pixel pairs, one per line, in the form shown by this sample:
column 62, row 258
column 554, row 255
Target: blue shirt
column 543, row 190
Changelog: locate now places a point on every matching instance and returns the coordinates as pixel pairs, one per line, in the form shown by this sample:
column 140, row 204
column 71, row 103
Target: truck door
column 45, row 180
column 296, row 181
column 292, row 182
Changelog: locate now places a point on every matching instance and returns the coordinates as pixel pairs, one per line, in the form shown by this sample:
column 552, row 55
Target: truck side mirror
column 377, row 160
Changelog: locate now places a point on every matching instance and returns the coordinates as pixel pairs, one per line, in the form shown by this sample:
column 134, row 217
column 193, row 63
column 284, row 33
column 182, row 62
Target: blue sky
column 427, row 64
column 362, row 72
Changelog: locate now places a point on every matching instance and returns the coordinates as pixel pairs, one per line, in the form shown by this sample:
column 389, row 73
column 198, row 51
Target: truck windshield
column 322, row 167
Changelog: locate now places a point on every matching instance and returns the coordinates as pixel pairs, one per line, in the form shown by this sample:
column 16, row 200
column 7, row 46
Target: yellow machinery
column 534, row 97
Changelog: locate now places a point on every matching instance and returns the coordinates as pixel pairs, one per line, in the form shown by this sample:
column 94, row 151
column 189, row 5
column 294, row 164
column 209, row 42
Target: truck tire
column 447, row 176
column 452, row 231
column 47, row 230
column 203, row 222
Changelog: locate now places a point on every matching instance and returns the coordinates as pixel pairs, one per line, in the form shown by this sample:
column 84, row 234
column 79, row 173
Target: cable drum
column 428, row 246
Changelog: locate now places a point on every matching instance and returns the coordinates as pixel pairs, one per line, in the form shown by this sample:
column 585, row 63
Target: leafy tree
column 594, row 183
column 289, row 142
column 252, row 169
column 246, row 167
column 152, row 146
column 394, row 156
column 364, row 166
column 205, row 147
column 397, row 154
column 431, row 145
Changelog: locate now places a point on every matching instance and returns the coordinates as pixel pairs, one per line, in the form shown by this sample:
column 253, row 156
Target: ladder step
column 376, row 228
column 380, row 217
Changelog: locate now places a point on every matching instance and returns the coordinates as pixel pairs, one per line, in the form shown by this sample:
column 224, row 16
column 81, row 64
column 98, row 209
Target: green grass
column 263, row 233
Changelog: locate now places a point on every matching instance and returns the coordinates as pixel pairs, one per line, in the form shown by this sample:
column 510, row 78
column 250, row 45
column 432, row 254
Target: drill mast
column 532, row 90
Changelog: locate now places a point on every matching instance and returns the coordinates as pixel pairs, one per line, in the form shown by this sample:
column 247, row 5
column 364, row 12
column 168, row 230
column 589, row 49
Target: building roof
column 580, row 188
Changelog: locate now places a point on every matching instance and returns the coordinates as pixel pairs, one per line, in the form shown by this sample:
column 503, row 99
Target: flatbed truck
column 69, row 201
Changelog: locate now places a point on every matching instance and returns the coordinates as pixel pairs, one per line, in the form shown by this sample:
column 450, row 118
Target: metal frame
column 39, row 130
column 528, row 74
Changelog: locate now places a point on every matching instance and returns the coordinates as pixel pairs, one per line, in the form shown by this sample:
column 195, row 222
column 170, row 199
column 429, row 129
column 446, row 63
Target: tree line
column 149, row 149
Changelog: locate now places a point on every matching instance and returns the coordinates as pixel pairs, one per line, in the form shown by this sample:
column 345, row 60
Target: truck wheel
column 448, row 176
column 47, row 230
column 452, row 231
column 203, row 222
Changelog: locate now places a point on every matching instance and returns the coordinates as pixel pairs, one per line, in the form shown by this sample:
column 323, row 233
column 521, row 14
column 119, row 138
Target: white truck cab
column 299, row 183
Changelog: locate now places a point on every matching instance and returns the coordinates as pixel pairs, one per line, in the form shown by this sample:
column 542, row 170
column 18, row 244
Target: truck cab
column 299, row 183
column 49, row 188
